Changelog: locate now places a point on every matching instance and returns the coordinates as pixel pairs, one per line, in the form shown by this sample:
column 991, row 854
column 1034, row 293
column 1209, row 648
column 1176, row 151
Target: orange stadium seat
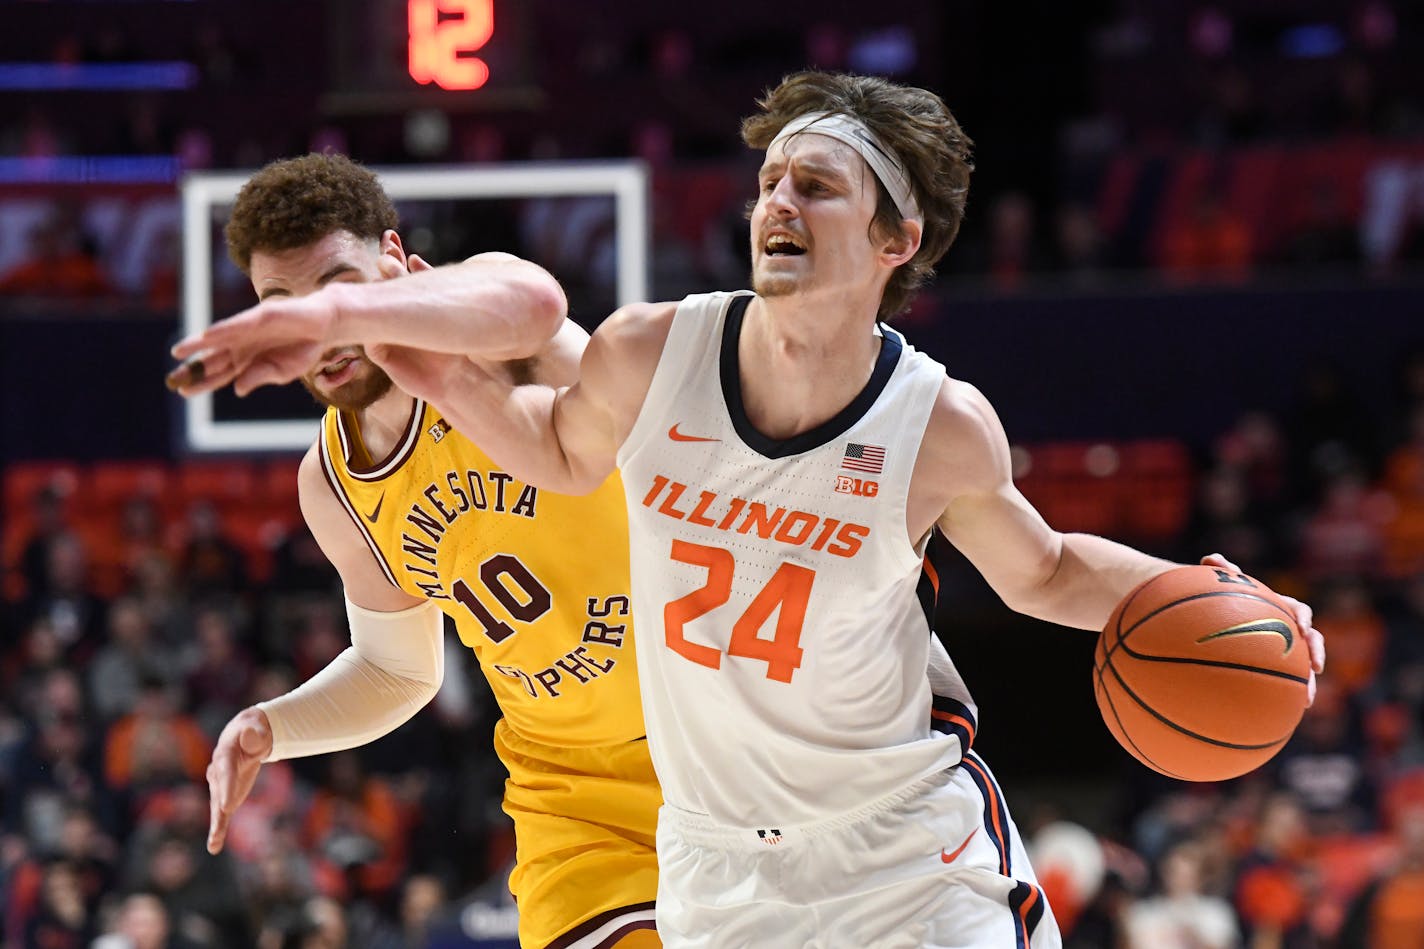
column 278, row 488
column 111, row 483
column 1158, row 482
column 228, row 484
column 1080, row 486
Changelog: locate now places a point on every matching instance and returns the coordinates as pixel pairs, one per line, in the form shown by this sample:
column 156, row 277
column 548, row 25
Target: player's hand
column 244, row 742
column 273, row 343
column 1304, row 619
column 276, row 341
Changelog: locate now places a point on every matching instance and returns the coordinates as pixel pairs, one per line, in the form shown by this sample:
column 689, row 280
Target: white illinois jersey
column 787, row 671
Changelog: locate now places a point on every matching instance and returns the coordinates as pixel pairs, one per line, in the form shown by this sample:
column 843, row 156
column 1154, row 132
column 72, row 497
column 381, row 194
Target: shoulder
column 964, row 439
column 314, row 490
column 962, row 414
column 634, row 334
column 639, row 319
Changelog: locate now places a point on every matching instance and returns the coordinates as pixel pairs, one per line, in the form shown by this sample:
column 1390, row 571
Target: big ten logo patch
column 860, row 487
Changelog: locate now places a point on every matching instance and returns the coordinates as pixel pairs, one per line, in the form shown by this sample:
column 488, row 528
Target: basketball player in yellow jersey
column 418, row 520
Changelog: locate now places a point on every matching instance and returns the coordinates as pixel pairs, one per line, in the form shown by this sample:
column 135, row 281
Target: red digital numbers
column 439, row 48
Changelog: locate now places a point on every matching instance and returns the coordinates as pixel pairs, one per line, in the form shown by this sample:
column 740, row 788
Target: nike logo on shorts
column 948, row 857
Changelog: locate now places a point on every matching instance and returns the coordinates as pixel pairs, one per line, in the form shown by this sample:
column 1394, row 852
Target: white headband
column 886, row 165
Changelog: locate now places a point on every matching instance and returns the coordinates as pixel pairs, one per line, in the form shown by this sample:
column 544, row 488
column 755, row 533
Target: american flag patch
column 860, row 457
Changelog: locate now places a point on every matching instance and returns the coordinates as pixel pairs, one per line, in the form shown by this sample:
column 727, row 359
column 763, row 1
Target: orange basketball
column 1201, row 673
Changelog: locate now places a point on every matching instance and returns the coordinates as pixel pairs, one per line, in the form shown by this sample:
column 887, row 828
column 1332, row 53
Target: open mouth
column 338, row 361
column 783, row 245
column 338, row 367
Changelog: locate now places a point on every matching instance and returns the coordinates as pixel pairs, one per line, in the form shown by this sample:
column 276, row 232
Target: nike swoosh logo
column 1271, row 627
column 951, row 857
column 677, row 436
column 377, row 512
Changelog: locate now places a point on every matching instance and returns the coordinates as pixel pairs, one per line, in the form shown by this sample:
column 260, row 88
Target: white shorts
column 939, row 864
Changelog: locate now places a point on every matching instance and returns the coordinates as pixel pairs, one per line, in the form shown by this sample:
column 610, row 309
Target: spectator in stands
column 127, row 658
column 422, row 899
column 73, row 613
column 140, row 535
column 1328, row 429
column 56, row 767
column 63, row 263
column 1181, row 915
column 62, row 919
column 212, row 563
column 1211, row 243
column 142, row 922
column 1323, row 767
column 1389, row 913
column 1327, row 236
column 1255, row 446
column 1079, row 251
column 1233, row 113
column 299, row 566
column 1225, row 520
column 1274, row 887
column 220, row 676
column 168, row 855
column 154, row 746
column 213, row 918
column 1344, row 537
column 356, row 821
column 1347, row 614
column 1014, row 251
column 48, row 523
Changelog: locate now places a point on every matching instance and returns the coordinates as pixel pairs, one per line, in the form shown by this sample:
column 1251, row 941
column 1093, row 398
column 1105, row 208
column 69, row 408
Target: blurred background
column 1191, row 279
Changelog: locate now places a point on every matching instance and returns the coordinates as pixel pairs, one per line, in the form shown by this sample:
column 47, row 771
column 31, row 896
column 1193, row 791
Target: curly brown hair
column 917, row 126
column 296, row 201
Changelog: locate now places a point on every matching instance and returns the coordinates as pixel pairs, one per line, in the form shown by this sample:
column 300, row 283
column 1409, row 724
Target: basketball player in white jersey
column 787, row 458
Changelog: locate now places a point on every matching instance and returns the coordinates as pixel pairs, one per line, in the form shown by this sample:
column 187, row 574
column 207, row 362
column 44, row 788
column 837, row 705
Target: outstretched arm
column 391, row 670
column 1070, row 579
column 963, row 481
column 492, row 307
column 564, row 438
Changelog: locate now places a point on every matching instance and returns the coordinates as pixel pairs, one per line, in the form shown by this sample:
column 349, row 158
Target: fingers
column 205, row 372
column 1316, row 642
column 415, row 263
column 219, row 812
column 1310, row 690
column 231, row 333
column 1217, row 560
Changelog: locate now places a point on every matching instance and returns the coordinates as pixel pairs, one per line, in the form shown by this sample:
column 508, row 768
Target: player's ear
column 391, row 262
column 903, row 244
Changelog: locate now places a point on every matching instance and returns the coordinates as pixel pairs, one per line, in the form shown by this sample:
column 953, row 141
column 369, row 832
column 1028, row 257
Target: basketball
column 1201, row 673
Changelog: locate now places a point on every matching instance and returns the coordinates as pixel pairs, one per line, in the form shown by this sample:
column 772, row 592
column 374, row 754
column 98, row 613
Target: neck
column 383, row 422
column 802, row 362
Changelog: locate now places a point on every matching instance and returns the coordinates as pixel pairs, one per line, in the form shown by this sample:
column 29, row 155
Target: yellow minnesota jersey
column 537, row 582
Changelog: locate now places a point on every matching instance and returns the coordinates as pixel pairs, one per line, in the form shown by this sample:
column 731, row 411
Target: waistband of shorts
column 702, row 831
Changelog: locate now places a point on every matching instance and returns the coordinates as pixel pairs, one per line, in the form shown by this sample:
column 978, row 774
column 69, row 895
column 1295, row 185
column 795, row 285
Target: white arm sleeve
column 393, row 667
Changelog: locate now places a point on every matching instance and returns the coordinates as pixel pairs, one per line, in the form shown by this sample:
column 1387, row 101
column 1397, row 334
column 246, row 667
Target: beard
column 774, row 285
column 368, row 385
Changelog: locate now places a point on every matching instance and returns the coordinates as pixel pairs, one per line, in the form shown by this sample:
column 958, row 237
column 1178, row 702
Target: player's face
column 342, row 377
column 810, row 228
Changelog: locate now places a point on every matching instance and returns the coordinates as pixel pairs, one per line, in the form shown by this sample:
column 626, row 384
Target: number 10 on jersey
column 787, row 594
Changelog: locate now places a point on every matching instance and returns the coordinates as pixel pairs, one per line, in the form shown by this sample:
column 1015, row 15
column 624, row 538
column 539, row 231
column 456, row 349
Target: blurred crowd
column 145, row 604
column 1203, row 142
column 1324, row 846
column 135, row 624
